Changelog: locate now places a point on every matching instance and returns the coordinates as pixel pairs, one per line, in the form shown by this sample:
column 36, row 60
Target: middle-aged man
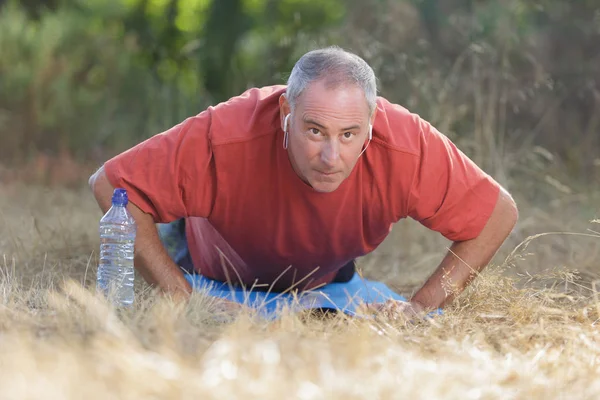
column 290, row 184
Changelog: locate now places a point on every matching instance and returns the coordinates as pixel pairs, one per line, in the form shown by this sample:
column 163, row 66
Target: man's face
column 327, row 131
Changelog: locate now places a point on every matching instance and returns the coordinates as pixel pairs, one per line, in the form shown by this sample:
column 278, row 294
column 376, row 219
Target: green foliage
column 71, row 83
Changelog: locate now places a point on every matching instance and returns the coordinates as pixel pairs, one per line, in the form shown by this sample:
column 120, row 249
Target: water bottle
column 117, row 239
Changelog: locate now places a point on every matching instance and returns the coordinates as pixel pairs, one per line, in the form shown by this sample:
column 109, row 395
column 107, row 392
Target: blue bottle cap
column 120, row 197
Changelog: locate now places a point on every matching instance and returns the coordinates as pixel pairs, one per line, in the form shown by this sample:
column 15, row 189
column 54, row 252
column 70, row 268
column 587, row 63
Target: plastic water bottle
column 117, row 239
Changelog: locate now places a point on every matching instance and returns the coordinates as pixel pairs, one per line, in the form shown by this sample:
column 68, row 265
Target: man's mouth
column 327, row 173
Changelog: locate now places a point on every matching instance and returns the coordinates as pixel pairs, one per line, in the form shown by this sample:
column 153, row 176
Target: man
column 287, row 185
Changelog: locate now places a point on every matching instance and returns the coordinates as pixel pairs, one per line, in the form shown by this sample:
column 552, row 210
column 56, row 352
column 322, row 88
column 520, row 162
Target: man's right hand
column 151, row 258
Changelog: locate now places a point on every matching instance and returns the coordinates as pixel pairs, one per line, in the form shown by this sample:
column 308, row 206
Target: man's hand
column 466, row 259
column 394, row 309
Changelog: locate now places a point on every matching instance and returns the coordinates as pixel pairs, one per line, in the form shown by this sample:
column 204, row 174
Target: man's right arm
column 151, row 258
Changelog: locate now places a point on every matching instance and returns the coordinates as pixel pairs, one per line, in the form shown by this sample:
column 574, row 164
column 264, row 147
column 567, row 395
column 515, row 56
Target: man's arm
column 151, row 257
column 466, row 259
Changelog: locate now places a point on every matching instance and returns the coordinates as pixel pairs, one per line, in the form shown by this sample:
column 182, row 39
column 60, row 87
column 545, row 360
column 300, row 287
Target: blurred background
column 83, row 79
column 516, row 84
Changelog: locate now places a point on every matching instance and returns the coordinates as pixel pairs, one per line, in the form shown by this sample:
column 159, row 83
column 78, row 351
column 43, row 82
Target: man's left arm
column 467, row 258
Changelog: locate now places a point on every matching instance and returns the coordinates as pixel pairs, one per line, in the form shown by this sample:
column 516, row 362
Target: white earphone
column 285, row 131
column 285, row 123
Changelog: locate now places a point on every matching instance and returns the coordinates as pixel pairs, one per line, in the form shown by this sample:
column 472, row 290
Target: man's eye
column 348, row 135
column 315, row 131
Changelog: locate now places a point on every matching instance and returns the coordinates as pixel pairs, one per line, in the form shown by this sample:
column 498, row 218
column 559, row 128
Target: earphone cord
column 365, row 148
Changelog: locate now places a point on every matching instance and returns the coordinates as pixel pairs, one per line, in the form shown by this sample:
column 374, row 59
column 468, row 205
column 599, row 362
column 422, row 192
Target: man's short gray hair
column 338, row 67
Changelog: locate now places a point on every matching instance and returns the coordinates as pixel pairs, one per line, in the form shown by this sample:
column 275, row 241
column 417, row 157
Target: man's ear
column 284, row 109
column 373, row 116
column 371, row 123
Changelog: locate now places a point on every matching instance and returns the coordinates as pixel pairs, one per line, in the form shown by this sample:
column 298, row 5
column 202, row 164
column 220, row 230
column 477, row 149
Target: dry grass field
column 528, row 327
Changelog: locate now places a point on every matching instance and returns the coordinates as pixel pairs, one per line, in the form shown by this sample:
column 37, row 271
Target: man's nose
column 330, row 153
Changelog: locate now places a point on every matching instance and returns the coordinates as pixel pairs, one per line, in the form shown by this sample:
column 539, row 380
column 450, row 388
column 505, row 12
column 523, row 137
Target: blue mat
column 344, row 297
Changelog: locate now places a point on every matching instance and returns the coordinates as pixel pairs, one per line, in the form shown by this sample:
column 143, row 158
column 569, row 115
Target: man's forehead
column 343, row 95
column 332, row 84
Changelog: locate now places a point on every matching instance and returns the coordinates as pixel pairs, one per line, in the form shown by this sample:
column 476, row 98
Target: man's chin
column 324, row 186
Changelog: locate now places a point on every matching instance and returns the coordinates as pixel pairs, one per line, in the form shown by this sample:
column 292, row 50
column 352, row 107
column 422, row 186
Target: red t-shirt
column 251, row 218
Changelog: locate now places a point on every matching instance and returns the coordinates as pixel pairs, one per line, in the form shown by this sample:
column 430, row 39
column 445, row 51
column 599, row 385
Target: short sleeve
column 170, row 175
column 449, row 194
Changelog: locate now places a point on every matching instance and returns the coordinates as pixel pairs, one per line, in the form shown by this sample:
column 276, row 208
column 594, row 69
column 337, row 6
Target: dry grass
column 526, row 329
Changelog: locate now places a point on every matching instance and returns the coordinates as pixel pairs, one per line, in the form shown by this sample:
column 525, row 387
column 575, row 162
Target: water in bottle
column 117, row 239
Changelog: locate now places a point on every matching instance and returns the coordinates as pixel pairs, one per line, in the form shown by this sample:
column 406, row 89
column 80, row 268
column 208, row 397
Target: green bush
column 75, row 83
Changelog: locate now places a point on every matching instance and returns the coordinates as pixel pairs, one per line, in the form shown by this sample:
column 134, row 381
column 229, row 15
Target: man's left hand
column 395, row 309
